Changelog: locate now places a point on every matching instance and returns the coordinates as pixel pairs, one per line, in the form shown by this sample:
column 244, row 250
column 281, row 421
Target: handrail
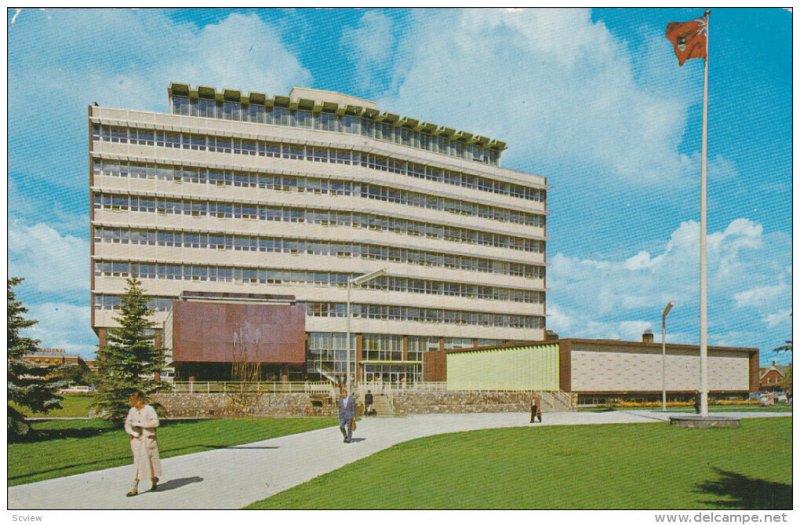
column 265, row 387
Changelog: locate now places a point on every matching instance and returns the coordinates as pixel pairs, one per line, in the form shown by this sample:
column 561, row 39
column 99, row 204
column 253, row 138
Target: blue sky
column 593, row 100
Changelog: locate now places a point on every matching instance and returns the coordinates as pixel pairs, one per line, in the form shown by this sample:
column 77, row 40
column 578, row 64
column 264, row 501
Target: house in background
column 773, row 378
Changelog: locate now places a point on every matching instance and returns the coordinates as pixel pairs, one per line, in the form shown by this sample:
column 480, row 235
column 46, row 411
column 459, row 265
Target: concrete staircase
column 383, row 405
column 557, row 401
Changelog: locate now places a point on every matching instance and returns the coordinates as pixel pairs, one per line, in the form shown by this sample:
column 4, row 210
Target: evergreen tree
column 129, row 361
column 29, row 385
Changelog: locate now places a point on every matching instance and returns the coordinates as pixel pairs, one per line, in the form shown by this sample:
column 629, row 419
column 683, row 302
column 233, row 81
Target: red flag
column 688, row 38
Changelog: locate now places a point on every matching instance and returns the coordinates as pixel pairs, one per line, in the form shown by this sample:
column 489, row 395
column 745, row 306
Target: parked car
column 77, row 389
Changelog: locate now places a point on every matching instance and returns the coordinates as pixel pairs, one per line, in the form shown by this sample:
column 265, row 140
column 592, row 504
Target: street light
column 664, row 355
column 356, row 281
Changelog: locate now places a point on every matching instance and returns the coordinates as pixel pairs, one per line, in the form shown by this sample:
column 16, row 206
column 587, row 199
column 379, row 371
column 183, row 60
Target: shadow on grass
column 743, row 492
column 122, row 460
column 86, row 428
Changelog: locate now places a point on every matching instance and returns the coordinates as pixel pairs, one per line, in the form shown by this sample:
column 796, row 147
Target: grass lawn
column 711, row 408
column 72, row 447
column 71, row 406
column 632, row 466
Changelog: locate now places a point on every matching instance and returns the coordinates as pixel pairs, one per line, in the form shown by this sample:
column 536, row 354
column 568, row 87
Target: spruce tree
column 129, row 361
column 29, row 385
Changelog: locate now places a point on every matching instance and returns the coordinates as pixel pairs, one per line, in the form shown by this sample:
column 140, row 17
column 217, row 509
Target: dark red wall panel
column 205, row 332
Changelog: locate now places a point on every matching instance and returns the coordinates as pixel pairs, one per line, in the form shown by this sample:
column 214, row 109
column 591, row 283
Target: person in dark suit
column 368, row 402
column 347, row 411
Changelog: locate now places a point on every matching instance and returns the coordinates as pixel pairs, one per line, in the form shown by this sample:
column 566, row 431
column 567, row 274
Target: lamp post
column 664, row 355
column 356, row 281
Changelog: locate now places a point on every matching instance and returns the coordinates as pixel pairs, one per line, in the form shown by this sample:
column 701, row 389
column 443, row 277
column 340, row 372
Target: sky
column 592, row 99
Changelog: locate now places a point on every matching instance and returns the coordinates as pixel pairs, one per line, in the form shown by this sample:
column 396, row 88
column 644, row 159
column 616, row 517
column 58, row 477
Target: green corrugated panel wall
column 521, row 368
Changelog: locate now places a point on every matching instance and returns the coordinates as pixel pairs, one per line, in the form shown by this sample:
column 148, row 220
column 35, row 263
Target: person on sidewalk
column 536, row 408
column 347, row 411
column 141, row 425
column 368, row 402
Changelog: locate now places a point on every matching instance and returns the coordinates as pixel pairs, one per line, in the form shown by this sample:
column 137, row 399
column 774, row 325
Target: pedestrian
column 697, row 400
column 536, row 408
column 141, row 425
column 347, row 413
column 368, row 402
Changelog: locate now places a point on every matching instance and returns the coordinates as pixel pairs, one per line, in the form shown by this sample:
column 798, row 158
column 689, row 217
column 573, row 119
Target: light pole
column 664, row 355
column 357, row 281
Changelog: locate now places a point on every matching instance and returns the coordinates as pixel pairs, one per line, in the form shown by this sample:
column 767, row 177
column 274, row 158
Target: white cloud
column 49, row 261
column 758, row 296
column 62, row 325
column 640, row 261
column 552, row 83
column 370, row 45
column 135, row 55
column 557, row 320
column 593, row 298
column 777, row 319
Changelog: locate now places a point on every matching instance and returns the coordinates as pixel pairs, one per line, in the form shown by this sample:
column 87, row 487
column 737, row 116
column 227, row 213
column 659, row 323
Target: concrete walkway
column 234, row 477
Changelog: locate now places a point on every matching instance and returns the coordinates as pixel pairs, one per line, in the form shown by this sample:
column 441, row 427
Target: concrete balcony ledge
column 692, row 421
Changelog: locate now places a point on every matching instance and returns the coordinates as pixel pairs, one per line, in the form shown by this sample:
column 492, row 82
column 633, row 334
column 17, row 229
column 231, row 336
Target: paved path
column 234, row 477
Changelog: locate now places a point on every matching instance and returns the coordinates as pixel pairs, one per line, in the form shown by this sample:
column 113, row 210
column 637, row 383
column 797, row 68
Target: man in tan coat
column 141, row 425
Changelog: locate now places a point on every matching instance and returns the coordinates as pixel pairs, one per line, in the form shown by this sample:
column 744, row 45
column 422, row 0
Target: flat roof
column 655, row 344
column 602, row 342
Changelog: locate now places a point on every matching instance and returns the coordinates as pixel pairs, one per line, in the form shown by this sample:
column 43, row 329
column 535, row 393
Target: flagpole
column 703, row 255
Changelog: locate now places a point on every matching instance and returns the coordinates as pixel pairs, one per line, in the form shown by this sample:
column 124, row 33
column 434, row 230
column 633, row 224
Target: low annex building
column 598, row 369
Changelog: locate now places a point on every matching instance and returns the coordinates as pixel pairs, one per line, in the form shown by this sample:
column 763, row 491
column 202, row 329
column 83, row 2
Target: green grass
column 632, row 466
column 72, row 447
column 71, row 406
column 711, row 409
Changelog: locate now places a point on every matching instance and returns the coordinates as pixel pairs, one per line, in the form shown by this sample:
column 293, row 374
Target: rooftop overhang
column 331, row 102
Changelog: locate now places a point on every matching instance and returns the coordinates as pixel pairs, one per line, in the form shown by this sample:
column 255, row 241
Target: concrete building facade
column 294, row 195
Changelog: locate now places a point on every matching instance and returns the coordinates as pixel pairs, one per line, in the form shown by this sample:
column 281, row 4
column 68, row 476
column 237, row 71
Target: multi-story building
column 294, row 195
column 54, row 357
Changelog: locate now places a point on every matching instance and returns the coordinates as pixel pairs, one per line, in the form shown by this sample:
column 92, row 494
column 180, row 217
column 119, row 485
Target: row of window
column 201, row 208
column 370, row 311
column 114, row 302
column 219, row 241
column 215, row 177
column 329, row 349
column 426, row 315
column 272, row 276
column 193, row 141
column 331, row 122
column 378, row 347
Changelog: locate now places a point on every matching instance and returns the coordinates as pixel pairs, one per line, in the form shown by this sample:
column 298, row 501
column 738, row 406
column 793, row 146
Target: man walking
column 347, row 411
